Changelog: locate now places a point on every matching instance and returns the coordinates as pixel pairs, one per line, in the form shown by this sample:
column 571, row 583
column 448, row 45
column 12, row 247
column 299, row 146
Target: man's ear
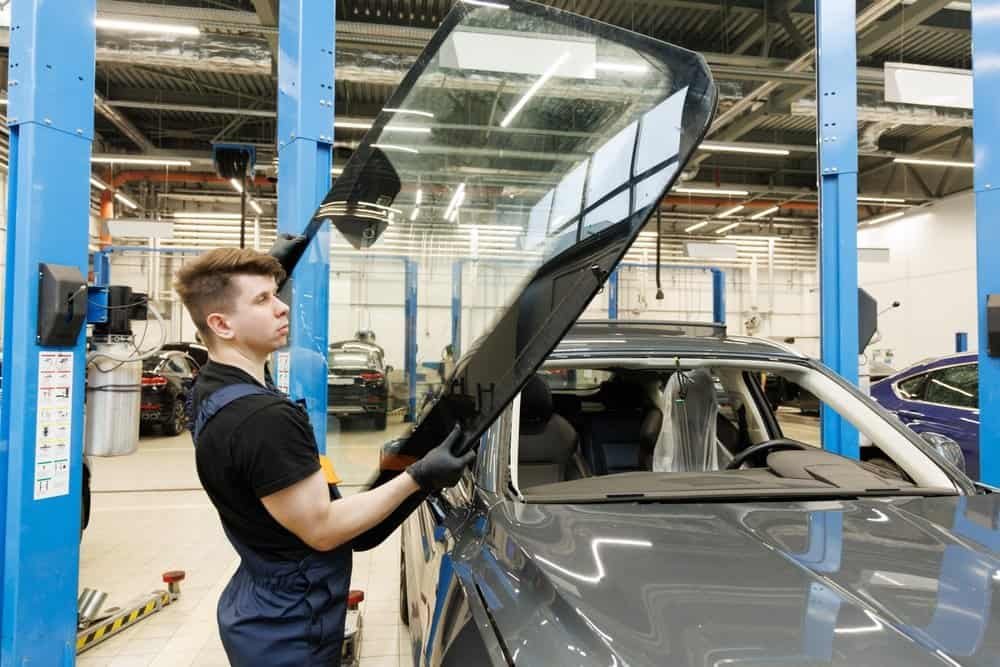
column 219, row 324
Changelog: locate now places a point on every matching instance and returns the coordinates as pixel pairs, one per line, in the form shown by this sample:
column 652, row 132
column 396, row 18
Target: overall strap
column 220, row 398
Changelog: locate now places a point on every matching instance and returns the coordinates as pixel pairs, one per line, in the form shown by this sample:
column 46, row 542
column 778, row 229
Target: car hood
column 863, row 582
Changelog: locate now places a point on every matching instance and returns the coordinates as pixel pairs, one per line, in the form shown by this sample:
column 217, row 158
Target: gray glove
column 440, row 467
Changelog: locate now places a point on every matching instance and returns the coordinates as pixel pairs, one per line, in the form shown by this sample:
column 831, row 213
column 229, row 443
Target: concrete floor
column 149, row 515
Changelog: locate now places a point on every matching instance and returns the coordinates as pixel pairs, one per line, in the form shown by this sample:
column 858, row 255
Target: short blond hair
column 206, row 285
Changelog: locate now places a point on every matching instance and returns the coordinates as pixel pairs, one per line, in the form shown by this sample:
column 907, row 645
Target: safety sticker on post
column 284, row 362
column 53, row 424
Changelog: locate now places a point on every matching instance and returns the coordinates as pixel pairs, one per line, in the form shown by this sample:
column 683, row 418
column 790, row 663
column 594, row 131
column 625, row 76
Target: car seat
column 687, row 440
column 547, row 443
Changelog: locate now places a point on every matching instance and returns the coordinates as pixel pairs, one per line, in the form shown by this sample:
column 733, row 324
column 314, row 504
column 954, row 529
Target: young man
column 257, row 459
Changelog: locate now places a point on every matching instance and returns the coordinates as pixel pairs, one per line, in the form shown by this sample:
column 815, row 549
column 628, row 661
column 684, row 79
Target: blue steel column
column 718, row 296
column 456, row 309
column 305, row 139
column 51, row 117
column 410, row 341
column 837, row 130
column 102, row 268
column 986, row 105
column 613, row 295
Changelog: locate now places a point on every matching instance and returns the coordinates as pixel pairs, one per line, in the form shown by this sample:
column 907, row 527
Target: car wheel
column 178, row 419
column 380, row 421
column 404, row 604
column 85, row 502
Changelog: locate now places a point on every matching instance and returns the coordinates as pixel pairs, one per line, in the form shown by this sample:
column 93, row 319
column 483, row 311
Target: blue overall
column 280, row 613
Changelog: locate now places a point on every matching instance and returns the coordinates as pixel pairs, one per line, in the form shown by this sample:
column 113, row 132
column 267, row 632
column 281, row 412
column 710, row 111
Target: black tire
column 380, row 421
column 85, row 502
column 404, row 604
column 177, row 422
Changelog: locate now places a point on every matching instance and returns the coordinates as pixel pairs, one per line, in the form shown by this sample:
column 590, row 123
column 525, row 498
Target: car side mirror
column 946, row 447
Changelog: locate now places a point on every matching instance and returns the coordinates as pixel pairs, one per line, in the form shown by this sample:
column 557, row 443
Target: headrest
column 536, row 402
column 619, row 395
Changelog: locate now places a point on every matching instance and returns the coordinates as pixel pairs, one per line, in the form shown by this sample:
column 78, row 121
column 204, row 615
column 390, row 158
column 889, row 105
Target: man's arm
column 305, row 509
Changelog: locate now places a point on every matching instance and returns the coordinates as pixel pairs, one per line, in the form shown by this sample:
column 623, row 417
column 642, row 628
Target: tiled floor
column 149, row 515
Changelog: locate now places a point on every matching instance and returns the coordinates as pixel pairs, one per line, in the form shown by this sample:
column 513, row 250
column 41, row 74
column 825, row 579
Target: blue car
column 938, row 399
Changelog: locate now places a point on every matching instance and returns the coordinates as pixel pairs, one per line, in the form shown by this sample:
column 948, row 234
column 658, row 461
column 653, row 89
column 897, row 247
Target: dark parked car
column 938, row 399
column 625, row 515
column 166, row 379
column 196, row 351
column 782, row 392
column 357, row 383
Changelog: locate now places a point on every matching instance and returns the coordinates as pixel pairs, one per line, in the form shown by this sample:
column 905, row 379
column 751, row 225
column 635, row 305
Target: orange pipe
column 735, row 201
column 176, row 177
column 107, row 213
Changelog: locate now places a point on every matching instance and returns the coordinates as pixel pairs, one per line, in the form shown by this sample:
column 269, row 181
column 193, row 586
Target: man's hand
column 287, row 249
column 440, row 467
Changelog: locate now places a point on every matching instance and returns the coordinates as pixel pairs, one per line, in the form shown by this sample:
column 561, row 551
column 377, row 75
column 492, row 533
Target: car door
column 572, row 132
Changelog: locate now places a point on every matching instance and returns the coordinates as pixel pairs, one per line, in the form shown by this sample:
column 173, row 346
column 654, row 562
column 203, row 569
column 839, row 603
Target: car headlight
column 947, row 448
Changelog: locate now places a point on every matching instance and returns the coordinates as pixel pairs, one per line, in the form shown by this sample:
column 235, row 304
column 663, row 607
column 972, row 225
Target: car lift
column 95, row 628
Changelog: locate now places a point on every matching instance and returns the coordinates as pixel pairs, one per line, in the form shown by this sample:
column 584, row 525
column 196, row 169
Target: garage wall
column 931, row 271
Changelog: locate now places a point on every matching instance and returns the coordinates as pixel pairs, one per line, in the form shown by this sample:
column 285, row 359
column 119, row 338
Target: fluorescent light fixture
column 352, row 125
column 97, row 184
column 195, row 215
column 736, row 148
column 456, row 200
column 725, row 229
column 535, row 87
column 731, row 211
column 624, row 68
column 711, row 191
column 148, row 161
column 419, row 197
column 3, row 101
column 935, row 163
column 125, row 200
column 483, row 3
column 882, row 200
column 236, row 185
column 764, row 214
column 336, row 171
column 883, row 218
column 147, row 26
column 394, row 147
column 697, row 225
column 425, row 114
column 255, row 206
column 415, row 214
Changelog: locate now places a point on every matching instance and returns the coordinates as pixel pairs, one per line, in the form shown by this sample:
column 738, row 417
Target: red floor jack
column 350, row 653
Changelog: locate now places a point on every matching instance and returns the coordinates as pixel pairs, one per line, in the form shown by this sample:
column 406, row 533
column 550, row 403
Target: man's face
column 259, row 319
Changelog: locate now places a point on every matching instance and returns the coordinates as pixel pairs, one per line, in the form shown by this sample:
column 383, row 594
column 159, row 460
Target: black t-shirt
column 255, row 446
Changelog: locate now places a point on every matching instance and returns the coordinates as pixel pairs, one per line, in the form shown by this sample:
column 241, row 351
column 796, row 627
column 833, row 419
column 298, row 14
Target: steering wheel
column 756, row 451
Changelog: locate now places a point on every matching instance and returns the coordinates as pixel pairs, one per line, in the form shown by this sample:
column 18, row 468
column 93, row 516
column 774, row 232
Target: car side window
column 176, row 365
column 957, row 386
column 913, row 388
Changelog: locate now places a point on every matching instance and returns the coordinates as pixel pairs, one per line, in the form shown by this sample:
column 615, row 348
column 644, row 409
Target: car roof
column 937, row 362
column 643, row 338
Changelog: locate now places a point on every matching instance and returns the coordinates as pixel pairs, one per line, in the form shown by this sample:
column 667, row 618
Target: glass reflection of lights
column 876, row 626
column 594, row 544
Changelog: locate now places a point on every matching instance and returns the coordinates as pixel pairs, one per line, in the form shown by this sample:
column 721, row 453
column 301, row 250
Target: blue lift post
column 456, row 309
column 718, row 288
column 305, row 143
column 410, row 354
column 51, row 118
column 986, row 104
column 837, row 129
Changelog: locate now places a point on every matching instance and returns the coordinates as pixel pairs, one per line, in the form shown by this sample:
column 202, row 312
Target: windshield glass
column 511, row 171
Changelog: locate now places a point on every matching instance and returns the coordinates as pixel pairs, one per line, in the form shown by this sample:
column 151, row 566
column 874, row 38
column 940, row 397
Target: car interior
column 596, row 427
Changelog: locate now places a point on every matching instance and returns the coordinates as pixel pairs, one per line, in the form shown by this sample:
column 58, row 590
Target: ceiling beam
column 124, row 125
column 910, row 16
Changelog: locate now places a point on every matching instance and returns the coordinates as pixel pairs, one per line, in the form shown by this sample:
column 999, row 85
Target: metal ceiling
column 231, row 70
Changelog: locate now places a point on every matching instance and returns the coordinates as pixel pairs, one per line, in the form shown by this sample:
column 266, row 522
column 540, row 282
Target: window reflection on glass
column 528, row 134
